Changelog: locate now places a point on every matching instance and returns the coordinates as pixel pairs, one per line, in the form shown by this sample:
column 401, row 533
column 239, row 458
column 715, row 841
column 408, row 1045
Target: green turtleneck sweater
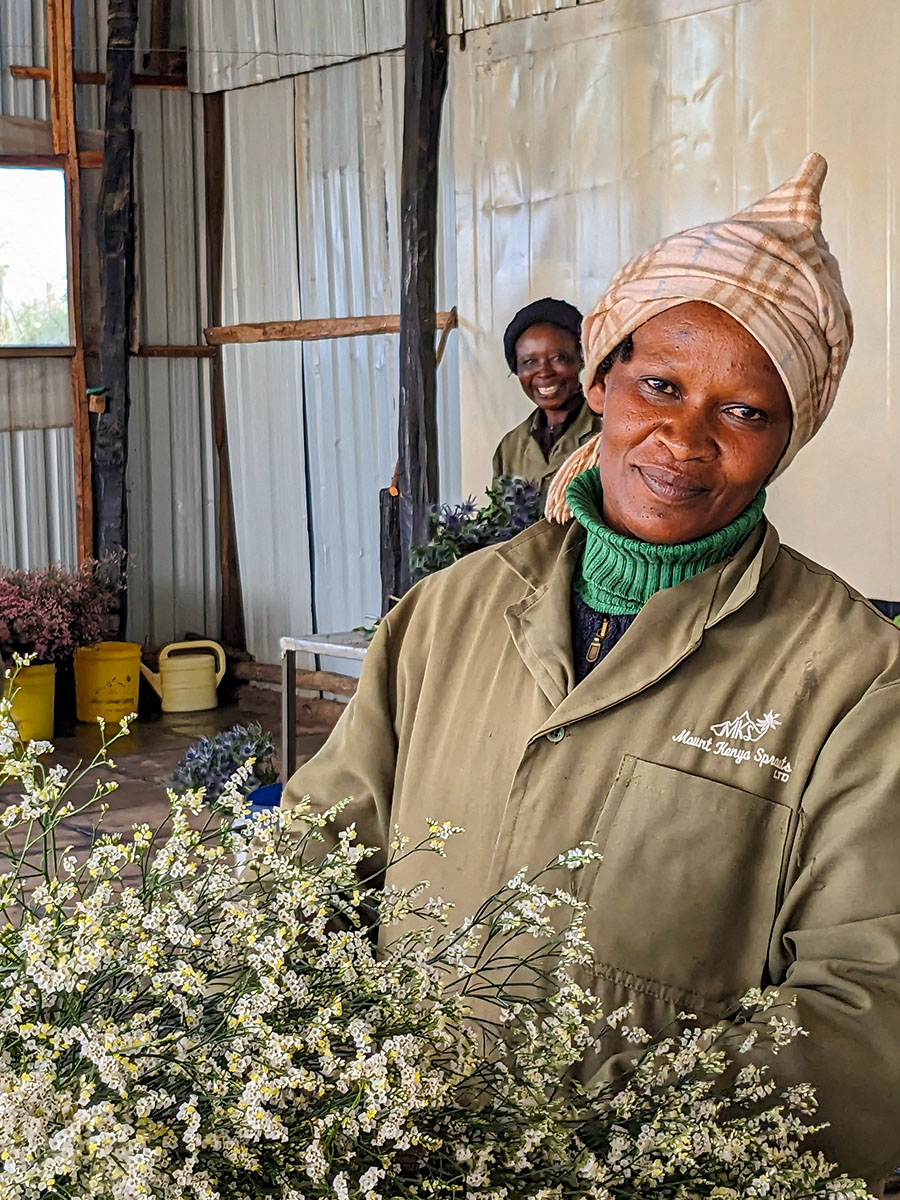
column 616, row 575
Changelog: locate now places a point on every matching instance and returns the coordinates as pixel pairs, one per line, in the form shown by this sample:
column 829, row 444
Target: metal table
column 334, row 645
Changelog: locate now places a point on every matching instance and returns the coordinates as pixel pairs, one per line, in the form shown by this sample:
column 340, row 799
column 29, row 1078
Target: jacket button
column 555, row 735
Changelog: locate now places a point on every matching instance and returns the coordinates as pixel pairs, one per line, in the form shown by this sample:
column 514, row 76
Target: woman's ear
column 596, row 395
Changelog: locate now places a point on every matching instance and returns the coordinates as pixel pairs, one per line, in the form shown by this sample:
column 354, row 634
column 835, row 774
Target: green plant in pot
column 212, row 763
column 511, row 505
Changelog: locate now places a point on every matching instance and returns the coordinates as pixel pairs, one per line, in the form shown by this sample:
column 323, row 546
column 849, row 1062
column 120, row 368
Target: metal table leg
column 289, row 713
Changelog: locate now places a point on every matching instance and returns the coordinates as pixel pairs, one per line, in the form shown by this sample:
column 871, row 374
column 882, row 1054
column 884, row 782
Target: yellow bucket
column 32, row 706
column 106, row 681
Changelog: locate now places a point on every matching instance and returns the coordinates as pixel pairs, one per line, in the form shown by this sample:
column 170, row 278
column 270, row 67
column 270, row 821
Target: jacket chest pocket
column 686, row 894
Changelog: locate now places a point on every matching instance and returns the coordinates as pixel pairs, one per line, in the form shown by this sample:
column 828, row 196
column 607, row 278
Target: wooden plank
column 52, row 161
column 452, row 323
column 160, row 36
column 312, row 330
column 309, row 681
column 177, row 83
column 233, row 630
column 425, row 60
column 37, row 351
column 93, row 351
column 177, row 352
column 116, row 224
column 63, row 140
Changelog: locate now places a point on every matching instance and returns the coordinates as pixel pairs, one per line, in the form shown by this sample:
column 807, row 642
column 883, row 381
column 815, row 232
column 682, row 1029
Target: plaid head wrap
column 769, row 267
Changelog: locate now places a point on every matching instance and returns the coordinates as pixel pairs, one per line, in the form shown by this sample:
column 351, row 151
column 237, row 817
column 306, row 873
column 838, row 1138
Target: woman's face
column 693, row 426
column 548, row 361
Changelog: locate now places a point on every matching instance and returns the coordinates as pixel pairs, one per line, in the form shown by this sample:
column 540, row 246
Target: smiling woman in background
column 542, row 345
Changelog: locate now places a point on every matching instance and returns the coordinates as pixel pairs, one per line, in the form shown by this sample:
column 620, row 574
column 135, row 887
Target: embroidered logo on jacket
column 745, row 729
column 732, row 737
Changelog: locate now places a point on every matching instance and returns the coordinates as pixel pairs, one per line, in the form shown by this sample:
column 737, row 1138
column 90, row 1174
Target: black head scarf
column 540, row 312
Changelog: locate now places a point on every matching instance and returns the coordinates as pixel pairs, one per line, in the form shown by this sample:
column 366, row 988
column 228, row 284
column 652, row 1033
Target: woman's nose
column 688, row 435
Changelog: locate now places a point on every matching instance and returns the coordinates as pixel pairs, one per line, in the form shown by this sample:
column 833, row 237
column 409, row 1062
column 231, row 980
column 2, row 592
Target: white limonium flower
column 204, row 1014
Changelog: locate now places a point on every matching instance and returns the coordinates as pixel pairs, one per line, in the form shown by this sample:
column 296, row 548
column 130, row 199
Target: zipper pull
column 593, row 650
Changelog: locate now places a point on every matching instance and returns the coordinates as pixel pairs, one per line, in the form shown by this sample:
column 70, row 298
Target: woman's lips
column 670, row 485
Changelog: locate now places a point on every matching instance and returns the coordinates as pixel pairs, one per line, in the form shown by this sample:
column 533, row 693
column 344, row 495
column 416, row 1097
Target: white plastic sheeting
column 585, row 136
column 263, row 382
column 234, row 43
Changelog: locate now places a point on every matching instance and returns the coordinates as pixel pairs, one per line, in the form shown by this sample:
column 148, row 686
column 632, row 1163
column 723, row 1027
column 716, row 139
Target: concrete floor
column 146, row 759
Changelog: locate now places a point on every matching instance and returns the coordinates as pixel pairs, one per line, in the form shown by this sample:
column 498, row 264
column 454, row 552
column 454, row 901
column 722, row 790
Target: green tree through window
column 34, row 306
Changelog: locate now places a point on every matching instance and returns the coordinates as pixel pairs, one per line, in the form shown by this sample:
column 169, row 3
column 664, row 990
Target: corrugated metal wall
column 349, row 142
column 313, row 231
column 582, row 137
column 173, row 582
column 37, row 486
column 238, row 43
column 263, row 382
column 235, row 43
column 173, row 579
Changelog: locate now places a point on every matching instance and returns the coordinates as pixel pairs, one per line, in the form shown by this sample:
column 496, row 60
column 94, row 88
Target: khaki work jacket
column 519, row 454
column 735, row 756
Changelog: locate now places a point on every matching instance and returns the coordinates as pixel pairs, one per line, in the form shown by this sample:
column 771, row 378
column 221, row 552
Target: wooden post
column 426, row 80
column 233, row 633
column 116, row 237
column 62, row 126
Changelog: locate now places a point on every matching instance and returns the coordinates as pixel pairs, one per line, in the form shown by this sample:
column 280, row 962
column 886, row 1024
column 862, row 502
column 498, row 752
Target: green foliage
column 458, row 529
column 212, row 762
column 43, row 322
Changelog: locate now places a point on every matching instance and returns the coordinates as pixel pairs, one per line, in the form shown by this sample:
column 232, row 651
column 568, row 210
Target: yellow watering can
column 187, row 681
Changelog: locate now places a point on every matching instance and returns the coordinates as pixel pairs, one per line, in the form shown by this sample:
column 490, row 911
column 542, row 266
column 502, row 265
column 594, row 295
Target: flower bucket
column 106, row 681
column 32, row 706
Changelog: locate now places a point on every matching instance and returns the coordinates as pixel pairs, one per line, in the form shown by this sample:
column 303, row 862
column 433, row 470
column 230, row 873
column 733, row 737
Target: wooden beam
column 309, row 681
column 233, row 630
column 452, row 323
column 177, row 352
column 50, row 161
column 312, row 330
column 92, row 351
column 425, row 64
column 37, row 351
column 63, row 139
column 177, row 83
column 116, row 235
column 160, row 35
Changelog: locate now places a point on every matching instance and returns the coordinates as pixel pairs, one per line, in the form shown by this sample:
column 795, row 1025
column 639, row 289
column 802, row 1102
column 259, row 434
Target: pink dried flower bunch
column 50, row 611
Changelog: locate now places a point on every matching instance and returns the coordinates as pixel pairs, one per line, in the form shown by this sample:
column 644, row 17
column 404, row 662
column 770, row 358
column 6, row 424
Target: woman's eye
column 747, row 413
column 562, row 359
column 661, row 387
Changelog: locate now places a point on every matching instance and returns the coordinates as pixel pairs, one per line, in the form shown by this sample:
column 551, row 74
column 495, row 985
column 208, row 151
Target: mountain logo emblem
column 746, row 728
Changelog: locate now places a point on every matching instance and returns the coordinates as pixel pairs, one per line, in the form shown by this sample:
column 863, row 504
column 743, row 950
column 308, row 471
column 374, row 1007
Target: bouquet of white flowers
column 175, row 1026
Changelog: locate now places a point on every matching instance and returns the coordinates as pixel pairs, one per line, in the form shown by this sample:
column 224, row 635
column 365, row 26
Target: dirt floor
column 146, row 759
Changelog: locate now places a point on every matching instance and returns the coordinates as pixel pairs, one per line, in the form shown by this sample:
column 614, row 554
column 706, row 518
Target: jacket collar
column 668, row 628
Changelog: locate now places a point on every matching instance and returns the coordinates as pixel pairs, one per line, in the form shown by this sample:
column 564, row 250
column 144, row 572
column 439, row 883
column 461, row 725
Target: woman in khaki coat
column 651, row 669
column 542, row 344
